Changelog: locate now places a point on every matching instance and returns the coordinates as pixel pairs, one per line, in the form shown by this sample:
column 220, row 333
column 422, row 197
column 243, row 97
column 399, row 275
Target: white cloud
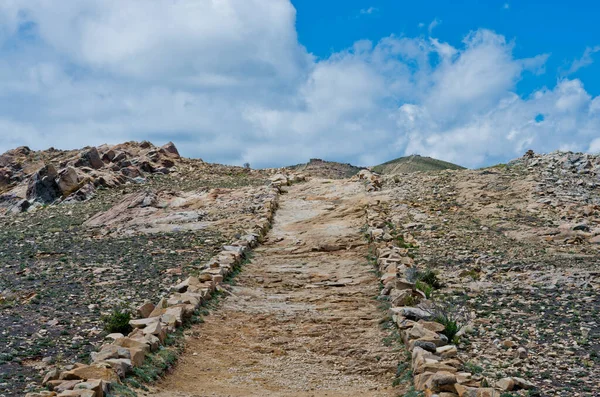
column 506, row 6
column 585, row 60
column 369, row 11
column 229, row 82
column 435, row 23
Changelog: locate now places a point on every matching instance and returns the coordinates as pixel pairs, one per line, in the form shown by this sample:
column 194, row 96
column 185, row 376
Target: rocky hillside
column 127, row 222
column 511, row 254
column 490, row 278
column 326, row 169
column 44, row 177
column 414, row 163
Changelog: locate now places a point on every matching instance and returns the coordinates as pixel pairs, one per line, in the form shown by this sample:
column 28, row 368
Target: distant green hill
column 414, row 163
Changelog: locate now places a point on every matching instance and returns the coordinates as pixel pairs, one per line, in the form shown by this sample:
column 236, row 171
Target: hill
column 414, row 163
column 326, row 169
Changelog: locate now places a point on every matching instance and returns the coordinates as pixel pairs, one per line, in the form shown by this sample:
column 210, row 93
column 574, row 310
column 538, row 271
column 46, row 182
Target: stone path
column 302, row 319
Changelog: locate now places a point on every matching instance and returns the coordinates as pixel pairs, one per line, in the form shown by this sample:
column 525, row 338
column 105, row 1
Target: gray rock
column 42, row 185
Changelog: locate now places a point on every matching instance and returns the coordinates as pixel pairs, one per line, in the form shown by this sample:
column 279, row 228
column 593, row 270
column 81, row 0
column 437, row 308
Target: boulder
column 145, row 309
column 170, row 150
column 90, row 158
column 91, row 372
column 122, row 366
column 42, row 186
column 95, row 385
column 68, row 181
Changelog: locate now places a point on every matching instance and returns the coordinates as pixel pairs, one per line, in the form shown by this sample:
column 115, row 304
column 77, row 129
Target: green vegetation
column 449, row 319
column 117, row 321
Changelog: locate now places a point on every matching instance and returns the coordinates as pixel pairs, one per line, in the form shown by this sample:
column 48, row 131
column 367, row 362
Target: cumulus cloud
column 228, row 81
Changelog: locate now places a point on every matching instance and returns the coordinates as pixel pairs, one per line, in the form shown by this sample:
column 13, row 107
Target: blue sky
column 560, row 28
column 276, row 82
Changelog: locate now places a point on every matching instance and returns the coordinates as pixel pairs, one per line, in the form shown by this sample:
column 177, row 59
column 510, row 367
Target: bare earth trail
column 302, row 319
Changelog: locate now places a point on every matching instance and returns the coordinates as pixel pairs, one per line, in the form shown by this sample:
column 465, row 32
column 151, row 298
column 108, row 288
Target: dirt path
column 302, row 319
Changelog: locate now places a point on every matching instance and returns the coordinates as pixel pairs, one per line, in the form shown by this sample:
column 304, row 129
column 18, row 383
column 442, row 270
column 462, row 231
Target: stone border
column 436, row 369
column 115, row 360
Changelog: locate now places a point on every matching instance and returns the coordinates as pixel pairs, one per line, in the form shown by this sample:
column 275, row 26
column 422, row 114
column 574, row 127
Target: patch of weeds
column 429, row 277
column 425, row 288
column 117, row 390
column 117, row 321
column 449, row 318
column 473, row 368
column 400, row 242
column 403, row 373
column 473, row 274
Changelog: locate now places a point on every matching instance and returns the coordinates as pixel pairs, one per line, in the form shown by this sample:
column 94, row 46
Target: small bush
column 430, row 277
column 117, row 321
column 473, row 368
column 449, row 318
column 425, row 288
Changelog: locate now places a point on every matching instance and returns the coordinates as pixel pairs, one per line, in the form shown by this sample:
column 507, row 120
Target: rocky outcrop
column 74, row 175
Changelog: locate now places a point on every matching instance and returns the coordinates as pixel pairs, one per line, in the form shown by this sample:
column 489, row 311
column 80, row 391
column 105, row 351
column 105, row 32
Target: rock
column 145, row 309
column 68, row 181
column 521, row 353
column 442, row 381
column 432, row 326
column 114, row 336
column 109, row 156
column 91, row 372
column 137, row 355
column 447, row 351
column 84, row 193
column 95, row 385
column 42, row 186
column 62, row 386
column 90, row 158
column 184, row 285
column 414, row 313
column 523, row 384
column 122, row 366
column 505, row 384
column 44, row 393
column 171, row 150
column 21, row 206
column 144, row 322
column 420, row 380
column 131, row 172
column 77, row 393
column 508, row 344
column 581, row 227
column 50, row 375
column 110, row 351
column 428, row 346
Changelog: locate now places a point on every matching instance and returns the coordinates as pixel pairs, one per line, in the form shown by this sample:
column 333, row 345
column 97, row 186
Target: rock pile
column 63, row 176
column 372, row 179
column 115, row 360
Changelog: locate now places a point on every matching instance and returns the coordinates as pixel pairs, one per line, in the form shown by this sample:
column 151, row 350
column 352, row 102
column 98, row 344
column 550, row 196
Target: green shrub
column 449, row 318
column 425, row 288
column 430, row 277
column 117, row 321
